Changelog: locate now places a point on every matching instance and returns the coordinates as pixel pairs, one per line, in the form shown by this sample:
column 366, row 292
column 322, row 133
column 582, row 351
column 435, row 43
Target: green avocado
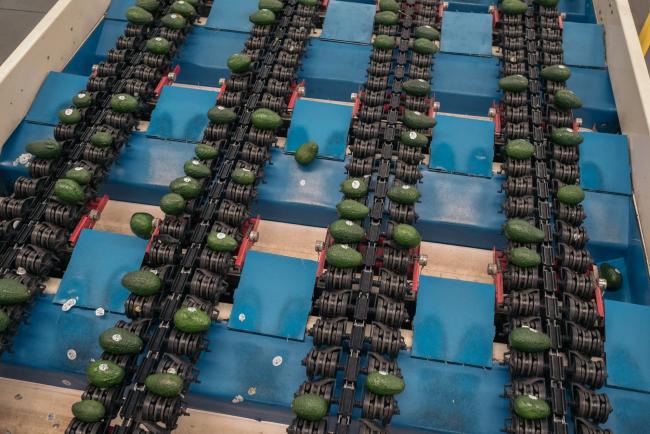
column 220, row 242
column 206, row 152
column 265, row 119
column 274, row 6
column 513, row 7
column 566, row 137
column 78, row 174
column 164, row 384
column 262, row 17
column 413, row 139
column 13, row 292
column 47, row 149
column 142, row 225
column 427, row 32
column 403, row 194
column 174, row 21
column 149, row 5
column 117, row 341
column 343, row 256
column 310, row 406
column 354, row 188
column 88, row 410
column 566, row 100
column 68, row 191
column 186, row 186
column 184, row 8
column 528, row 340
column 524, row 257
column 158, row 45
column 384, row 42
column 351, row 209
column 124, row 103
column 69, row 116
column 172, row 204
column 406, row 236
column 520, row 149
column 612, row 275
column 191, row 320
column 557, row 73
column 520, row 231
column 417, row 120
column 142, row 282
column 389, row 5
column 104, row 374
column 221, row 115
column 570, row 194
column 531, row 407
column 417, row 87
column 243, row 176
column 196, row 169
column 239, row 63
column 138, row 15
column 101, row 139
column 82, row 100
column 424, row 46
column 514, row 83
column 346, row 231
column 383, row 383
column 386, row 18
column 306, row 153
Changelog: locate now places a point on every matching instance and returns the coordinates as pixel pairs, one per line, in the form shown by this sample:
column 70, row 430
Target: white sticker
column 277, row 360
column 174, row 16
column 533, row 397
column 302, row 183
column 221, row 236
column 72, row 354
column 356, row 184
column 196, row 162
column 116, row 337
column 421, row 81
column 121, row 97
column 241, row 317
column 382, row 372
column 158, row 38
column 187, row 179
column 103, row 367
column 405, row 187
column 171, row 370
column 349, row 223
column 78, row 168
column 220, row 107
column 81, row 94
column 100, row 311
column 191, row 309
column 68, row 112
column 413, row 135
column 561, row 66
column 180, row 2
column 345, row 246
column 417, row 113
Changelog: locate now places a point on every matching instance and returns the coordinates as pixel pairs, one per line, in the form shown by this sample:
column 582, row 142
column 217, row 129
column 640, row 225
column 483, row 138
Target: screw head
column 492, row 269
column 319, row 246
column 423, row 260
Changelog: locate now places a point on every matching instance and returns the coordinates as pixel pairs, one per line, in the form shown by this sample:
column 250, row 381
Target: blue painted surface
column 231, row 15
column 605, row 163
column 307, row 125
column 607, row 224
column 454, row 321
column 478, row 6
column 322, row 69
column 145, row 168
column 15, row 147
column 274, row 295
column 595, row 90
column 462, row 145
column 584, row 45
column 98, row 263
column 578, row 10
column 351, row 22
column 627, row 345
column 117, row 9
column 638, row 281
column 55, row 94
column 96, row 47
column 465, row 84
column 181, row 113
column 630, row 413
column 300, row 194
column 204, row 55
column 467, row 33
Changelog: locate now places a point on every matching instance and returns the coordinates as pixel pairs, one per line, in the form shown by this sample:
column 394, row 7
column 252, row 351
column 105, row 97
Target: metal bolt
column 492, row 113
column 171, row 76
column 602, row 284
column 254, row 236
column 423, row 260
column 222, row 81
column 445, row 5
column 353, row 96
column 436, row 105
column 579, row 122
column 492, row 269
column 319, row 246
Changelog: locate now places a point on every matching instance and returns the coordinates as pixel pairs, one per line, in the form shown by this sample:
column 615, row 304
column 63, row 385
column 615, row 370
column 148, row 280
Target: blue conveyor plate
column 56, row 93
column 467, row 33
column 95, row 48
column 584, row 45
column 598, row 106
column 10, row 165
column 605, row 163
column 347, row 21
column 231, row 15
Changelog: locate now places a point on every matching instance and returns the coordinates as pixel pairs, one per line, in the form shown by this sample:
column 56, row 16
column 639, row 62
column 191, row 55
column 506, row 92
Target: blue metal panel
column 467, row 33
column 55, row 94
column 639, row 281
column 204, row 56
column 274, row 295
column 450, row 398
column 605, row 163
column 307, row 125
column 577, row 10
column 145, row 168
column 479, row 6
column 630, row 413
column 352, row 22
column 628, row 352
column 454, row 321
column 98, row 263
column 465, row 84
column 462, row 145
column 181, row 113
column 324, row 73
column 595, row 90
column 14, row 147
column 300, row 194
column 607, row 225
column 584, row 45
column 117, row 9
column 96, row 47
column 231, row 15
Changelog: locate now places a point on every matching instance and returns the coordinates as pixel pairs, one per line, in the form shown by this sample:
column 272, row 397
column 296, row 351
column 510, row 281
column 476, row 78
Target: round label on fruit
column 158, row 39
column 116, row 337
column 405, row 187
column 171, row 371
column 121, row 97
column 221, row 236
column 220, row 107
column 382, row 372
column 68, row 112
column 533, row 397
column 191, row 309
column 78, row 168
column 561, row 66
column 196, row 162
column 356, row 184
column 187, row 179
column 174, row 16
column 421, row 81
column 81, row 94
column 245, row 169
column 417, row 113
column 413, row 135
column 103, row 367
column 345, row 246
column 349, row 223
column 181, row 2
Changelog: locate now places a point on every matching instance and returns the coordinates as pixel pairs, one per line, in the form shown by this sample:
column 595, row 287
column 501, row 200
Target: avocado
column 383, row 383
column 262, row 17
column 239, row 63
column 158, row 45
column 149, row 5
column 206, row 152
column 520, row 231
column 427, row 32
column 513, row 7
column 12, row 292
column 220, row 242
column 69, row 116
column 265, row 119
column 346, row 231
column 194, row 3
column 142, row 282
column 186, row 186
column 172, row 204
column 565, row 137
column 343, row 256
column 196, row 169
column 243, row 176
column 530, row 407
column 118, row 341
column 104, row 374
column 78, row 174
column 612, row 275
column 138, row 15
column 274, row 6
column 389, row 5
column 403, row 194
column 124, row 103
column 351, row 209
column 310, row 406
column 406, row 236
column 424, row 46
column 417, row 120
column 309, row 3
column 47, row 149
column 5, row 321
column 386, row 18
column 384, row 42
column 413, row 139
column 417, row 87
column 174, row 21
column 524, row 257
column 142, row 225
column 546, row 3
column 570, row 194
column 306, row 153
column 354, row 188
column 514, row 83
column 528, row 340
column 520, row 149
column 191, row 320
column 68, row 191
column 557, row 73
column 82, row 100
column 566, row 100
column 101, row 139
column 164, row 384
column 88, row 410
column 184, row 8
column 221, row 115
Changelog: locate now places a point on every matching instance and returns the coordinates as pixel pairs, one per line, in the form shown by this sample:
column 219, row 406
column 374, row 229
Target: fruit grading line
column 157, row 145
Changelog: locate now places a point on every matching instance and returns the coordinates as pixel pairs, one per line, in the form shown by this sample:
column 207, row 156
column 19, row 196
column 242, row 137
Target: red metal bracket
column 497, row 119
column 322, row 255
column 155, row 233
column 575, row 126
column 326, row 3
column 498, row 258
column 560, row 21
column 600, row 306
column 496, row 17
column 357, row 105
column 432, row 110
column 416, row 272
column 441, row 9
column 295, row 95
column 94, row 211
column 248, row 226
column 166, row 80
